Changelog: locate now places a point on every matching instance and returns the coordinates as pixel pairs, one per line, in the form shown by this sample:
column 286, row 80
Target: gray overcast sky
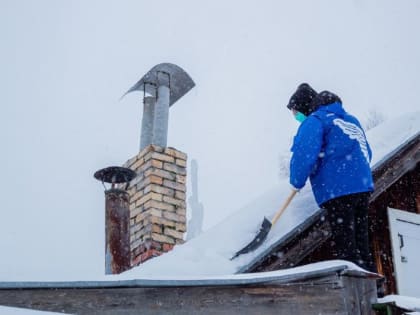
column 65, row 64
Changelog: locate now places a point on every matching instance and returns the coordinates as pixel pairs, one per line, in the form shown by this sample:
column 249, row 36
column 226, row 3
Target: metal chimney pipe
column 161, row 115
column 146, row 136
column 117, row 217
column 117, row 233
column 168, row 83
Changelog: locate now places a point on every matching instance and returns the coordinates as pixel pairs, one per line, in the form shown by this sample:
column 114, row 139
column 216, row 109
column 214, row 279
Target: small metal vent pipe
column 161, row 116
column 146, row 136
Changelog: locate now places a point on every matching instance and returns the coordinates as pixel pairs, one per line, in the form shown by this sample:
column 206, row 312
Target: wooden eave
column 399, row 162
column 329, row 290
column 293, row 247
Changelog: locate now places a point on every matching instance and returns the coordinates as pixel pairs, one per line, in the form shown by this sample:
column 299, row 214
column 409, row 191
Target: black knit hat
column 301, row 100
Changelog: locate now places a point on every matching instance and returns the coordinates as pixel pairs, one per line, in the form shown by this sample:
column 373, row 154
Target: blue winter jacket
column 331, row 149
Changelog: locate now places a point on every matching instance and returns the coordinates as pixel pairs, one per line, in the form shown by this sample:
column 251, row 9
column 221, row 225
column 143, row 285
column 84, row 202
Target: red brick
column 149, row 254
column 167, row 247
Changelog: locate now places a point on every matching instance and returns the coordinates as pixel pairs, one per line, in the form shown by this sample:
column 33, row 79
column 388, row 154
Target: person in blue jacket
column 330, row 148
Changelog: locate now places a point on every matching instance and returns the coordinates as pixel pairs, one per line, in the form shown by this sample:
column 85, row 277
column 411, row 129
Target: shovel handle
column 285, row 205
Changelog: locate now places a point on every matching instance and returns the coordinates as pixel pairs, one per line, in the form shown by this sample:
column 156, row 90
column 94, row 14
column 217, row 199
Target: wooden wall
column 327, row 295
column 403, row 195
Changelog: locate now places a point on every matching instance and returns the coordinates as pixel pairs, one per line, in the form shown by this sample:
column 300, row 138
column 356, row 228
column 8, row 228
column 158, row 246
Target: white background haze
column 65, row 64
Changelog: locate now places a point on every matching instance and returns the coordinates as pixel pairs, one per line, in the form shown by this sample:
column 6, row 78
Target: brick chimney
column 157, row 195
column 157, row 202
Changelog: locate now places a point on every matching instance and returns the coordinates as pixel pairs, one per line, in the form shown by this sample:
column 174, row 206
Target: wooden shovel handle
column 285, row 205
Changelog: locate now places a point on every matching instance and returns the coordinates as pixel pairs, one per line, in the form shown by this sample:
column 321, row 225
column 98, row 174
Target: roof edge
column 238, row 280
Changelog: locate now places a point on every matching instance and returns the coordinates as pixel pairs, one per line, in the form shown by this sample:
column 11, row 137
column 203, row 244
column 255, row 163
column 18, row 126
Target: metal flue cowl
column 162, row 86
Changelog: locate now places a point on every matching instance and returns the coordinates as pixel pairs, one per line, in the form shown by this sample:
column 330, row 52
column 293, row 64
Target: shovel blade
column 258, row 239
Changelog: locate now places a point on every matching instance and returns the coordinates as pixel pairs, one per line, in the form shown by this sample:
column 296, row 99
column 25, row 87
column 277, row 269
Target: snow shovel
column 265, row 228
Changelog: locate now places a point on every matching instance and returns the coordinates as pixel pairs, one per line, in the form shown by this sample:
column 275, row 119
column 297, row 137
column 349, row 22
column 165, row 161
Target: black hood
column 324, row 98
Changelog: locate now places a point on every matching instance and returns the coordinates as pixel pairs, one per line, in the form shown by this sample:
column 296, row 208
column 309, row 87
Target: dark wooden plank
column 359, row 295
column 301, row 247
column 293, row 250
column 400, row 195
column 317, row 296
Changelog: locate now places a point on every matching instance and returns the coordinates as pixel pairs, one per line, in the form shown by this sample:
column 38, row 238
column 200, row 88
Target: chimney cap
column 180, row 83
column 115, row 175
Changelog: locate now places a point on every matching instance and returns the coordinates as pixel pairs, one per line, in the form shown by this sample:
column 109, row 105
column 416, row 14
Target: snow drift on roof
column 389, row 136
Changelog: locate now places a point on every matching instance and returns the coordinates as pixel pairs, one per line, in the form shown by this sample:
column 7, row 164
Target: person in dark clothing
column 331, row 149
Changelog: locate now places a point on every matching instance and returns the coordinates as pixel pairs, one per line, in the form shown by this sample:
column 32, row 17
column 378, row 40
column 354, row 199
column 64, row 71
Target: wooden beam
column 396, row 166
column 290, row 253
column 325, row 295
column 354, row 301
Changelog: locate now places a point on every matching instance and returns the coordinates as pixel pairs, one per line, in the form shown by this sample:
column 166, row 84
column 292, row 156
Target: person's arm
column 305, row 151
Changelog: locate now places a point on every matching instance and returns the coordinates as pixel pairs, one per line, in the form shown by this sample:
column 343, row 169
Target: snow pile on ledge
column 5, row 310
column 405, row 302
column 296, row 272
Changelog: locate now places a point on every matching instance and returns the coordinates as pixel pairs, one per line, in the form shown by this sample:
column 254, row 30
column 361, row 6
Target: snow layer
column 210, row 253
column 406, row 302
column 4, row 310
column 390, row 135
column 281, row 276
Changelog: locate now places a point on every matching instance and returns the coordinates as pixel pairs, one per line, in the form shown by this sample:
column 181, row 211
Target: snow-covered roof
column 206, row 259
column 388, row 137
column 209, row 254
